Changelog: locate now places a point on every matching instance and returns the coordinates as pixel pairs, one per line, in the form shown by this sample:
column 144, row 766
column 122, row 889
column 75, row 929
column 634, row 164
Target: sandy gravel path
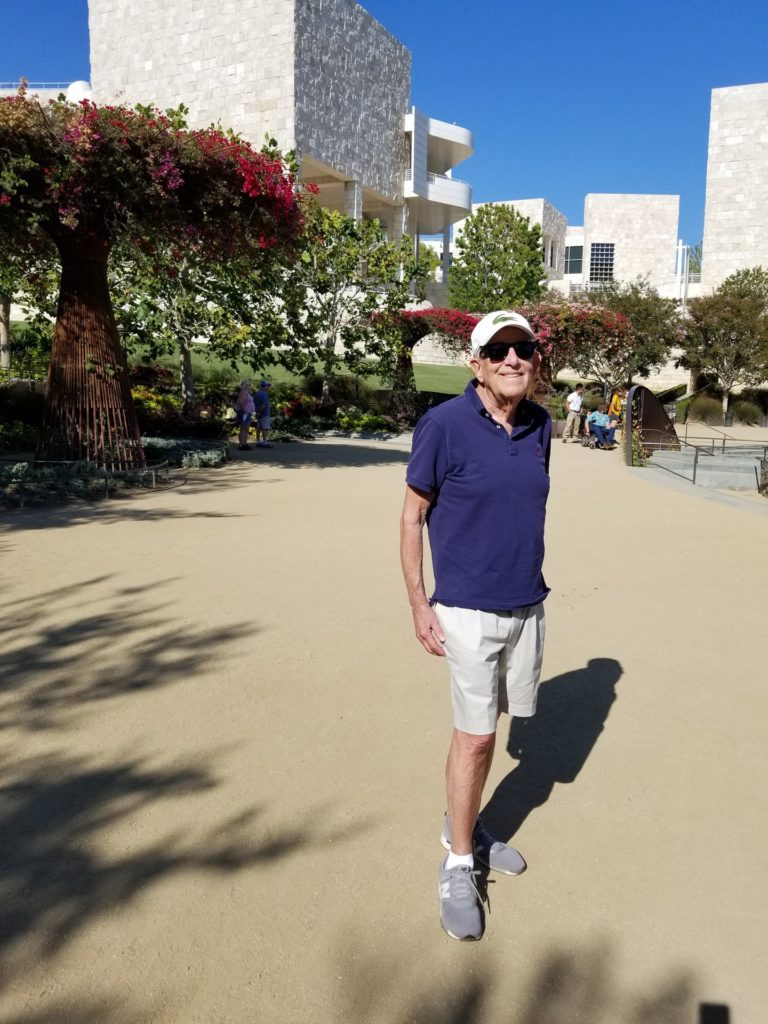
column 222, row 749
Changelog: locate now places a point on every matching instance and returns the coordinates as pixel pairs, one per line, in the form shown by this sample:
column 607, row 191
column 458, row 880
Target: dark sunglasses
column 497, row 351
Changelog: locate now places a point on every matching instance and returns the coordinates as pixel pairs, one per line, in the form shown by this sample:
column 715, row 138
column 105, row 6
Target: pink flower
column 4, row 199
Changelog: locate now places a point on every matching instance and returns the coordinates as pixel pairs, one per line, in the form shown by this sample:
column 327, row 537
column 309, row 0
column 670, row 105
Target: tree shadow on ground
column 134, row 505
column 328, row 454
column 55, row 877
column 554, row 744
column 58, row 655
column 566, row 986
column 83, row 1011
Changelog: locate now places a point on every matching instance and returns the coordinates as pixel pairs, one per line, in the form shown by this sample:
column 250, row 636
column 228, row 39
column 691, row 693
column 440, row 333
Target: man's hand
column 428, row 630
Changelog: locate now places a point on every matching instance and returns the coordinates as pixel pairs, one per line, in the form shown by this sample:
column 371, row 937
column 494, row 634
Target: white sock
column 455, row 860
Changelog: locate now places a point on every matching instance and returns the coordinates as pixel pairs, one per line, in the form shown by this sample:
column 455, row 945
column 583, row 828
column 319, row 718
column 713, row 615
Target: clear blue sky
column 564, row 98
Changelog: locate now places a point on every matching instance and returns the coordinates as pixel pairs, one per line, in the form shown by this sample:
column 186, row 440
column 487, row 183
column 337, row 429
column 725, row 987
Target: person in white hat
column 478, row 477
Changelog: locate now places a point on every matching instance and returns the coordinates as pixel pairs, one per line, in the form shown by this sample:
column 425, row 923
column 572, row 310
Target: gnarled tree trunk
column 89, row 412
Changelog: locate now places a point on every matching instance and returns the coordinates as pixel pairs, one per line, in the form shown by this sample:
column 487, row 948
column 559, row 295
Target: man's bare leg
column 466, row 772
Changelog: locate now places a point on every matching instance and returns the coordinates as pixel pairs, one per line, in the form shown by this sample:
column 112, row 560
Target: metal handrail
column 707, row 451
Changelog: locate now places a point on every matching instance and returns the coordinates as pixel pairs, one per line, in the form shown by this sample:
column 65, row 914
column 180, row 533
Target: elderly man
column 478, row 477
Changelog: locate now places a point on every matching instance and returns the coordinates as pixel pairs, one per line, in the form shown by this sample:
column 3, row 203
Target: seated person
column 599, row 425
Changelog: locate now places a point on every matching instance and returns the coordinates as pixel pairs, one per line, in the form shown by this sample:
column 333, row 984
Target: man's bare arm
column 425, row 622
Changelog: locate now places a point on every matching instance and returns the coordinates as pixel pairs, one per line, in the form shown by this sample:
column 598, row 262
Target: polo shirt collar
column 523, row 413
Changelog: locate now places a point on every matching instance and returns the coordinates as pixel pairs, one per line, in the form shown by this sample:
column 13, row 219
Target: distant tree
column 30, row 278
column 499, row 262
column 84, row 177
column 404, row 329
column 169, row 299
column 695, row 254
column 347, row 272
column 595, row 341
column 726, row 336
column 752, row 282
column 655, row 323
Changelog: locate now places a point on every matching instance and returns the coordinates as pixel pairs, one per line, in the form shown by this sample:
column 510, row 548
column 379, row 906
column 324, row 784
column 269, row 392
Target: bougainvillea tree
column 405, row 328
column 85, row 177
column 594, row 341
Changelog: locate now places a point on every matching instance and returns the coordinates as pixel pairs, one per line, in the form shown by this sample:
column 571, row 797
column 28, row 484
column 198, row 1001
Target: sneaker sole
column 512, row 874
column 459, row 938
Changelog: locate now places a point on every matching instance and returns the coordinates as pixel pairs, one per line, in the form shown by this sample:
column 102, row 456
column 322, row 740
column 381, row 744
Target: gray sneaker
column 460, row 913
column 489, row 851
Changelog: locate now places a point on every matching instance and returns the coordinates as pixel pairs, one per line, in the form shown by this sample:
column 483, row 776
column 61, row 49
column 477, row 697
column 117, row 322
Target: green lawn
column 445, row 380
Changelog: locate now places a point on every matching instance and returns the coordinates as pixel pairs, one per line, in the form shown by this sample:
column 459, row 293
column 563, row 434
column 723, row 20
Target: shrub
column 592, row 399
column 747, row 413
column 19, row 402
column 353, row 418
column 706, row 410
column 16, row 436
column 344, row 389
column 185, row 453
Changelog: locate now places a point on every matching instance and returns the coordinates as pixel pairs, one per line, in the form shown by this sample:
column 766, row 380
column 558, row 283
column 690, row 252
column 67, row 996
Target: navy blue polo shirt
column 486, row 523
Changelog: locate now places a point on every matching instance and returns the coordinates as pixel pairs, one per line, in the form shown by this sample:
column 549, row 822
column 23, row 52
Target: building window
column 574, row 257
column 601, row 261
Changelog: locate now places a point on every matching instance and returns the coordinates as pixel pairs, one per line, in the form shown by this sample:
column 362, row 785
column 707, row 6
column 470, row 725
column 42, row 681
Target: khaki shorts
column 495, row 662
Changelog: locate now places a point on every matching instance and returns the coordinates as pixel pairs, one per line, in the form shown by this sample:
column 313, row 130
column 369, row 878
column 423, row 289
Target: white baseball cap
column 494, row 322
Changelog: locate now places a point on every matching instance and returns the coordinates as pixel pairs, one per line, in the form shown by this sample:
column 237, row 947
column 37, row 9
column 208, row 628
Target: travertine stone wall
column 352, row 86
column 736, row 211
column 643, row 229
column 227, row 60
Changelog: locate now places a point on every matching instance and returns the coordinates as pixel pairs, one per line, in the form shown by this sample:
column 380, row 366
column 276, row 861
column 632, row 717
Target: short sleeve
column 427, row 465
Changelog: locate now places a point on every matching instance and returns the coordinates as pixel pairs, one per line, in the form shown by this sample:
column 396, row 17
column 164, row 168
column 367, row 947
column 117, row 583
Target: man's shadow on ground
column 554, row 744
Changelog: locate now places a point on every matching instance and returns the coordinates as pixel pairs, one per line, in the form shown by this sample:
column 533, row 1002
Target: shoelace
column 462, row 883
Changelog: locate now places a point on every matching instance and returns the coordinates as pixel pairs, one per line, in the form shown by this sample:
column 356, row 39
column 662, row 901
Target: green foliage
column 355, row 419
column 747, row 413
column 705, row 410
column 499, row 262
column 26, row 483
column 325, row 311
column 655, row 324
column 751, row 283
column 17, row 437
column 694, row 258
column 726, row 334
column 639, row 454
column 187, row 454
column 591, row 400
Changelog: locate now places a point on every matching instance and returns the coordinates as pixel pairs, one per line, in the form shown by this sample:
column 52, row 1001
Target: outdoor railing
column 36, row 85
column 433, row 178
column 712, row 446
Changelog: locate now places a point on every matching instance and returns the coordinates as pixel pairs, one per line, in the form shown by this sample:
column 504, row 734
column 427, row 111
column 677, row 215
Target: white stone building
column 322, row 77
column 736, row 209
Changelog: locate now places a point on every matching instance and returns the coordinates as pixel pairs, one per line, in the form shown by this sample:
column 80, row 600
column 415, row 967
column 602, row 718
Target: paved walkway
column 222, row 753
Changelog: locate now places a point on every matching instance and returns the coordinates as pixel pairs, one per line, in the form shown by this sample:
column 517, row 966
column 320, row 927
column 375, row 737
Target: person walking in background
column 478, row 477
column 573, row 404
column 263, row 417
column 244, row 407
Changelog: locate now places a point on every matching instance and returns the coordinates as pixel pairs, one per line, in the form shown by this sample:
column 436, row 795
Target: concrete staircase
column 732, row 469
